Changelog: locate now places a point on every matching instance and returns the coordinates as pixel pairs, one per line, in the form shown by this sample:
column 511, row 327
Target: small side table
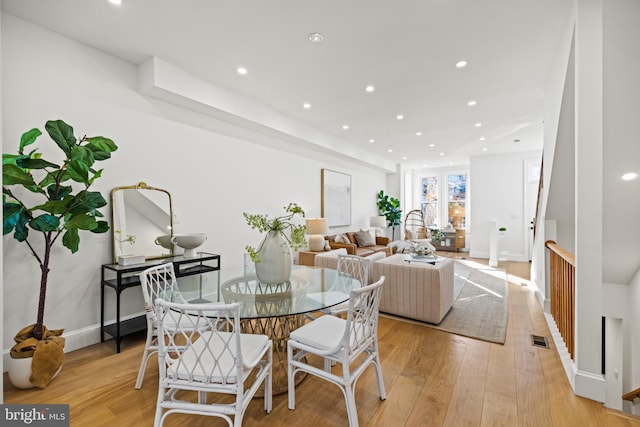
column 308, row 257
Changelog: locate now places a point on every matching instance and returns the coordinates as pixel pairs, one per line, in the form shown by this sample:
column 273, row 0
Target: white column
column 589, row 381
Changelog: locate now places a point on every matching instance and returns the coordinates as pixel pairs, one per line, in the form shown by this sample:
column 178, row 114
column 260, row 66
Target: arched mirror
column 142, row 221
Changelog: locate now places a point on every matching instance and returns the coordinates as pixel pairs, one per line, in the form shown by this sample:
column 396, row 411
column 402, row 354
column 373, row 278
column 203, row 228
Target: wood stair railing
column 562, row 288
column 632, row 395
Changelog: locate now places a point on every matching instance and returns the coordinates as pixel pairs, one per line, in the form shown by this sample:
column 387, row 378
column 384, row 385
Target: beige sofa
column 415, row 290
column 353, row 248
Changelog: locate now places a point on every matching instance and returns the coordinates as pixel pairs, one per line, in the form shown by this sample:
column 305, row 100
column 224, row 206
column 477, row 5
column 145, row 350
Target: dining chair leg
column 146, row 354
column 291, row 387
column 352, row 413
column 376, row 362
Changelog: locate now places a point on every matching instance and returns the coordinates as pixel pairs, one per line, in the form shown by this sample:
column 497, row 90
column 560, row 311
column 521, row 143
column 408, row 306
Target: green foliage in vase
column 280, row 224
column 65, row 210
column 437, row 234
column 390, row 208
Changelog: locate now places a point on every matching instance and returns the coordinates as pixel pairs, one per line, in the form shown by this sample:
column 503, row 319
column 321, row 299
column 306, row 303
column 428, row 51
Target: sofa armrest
column 382, row 241
column 350, row 247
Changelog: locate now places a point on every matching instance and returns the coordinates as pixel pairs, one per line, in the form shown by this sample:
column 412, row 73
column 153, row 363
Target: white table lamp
column 378, row 221
column 316, row 227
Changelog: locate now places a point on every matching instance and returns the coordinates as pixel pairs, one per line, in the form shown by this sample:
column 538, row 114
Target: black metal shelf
column 121, row 277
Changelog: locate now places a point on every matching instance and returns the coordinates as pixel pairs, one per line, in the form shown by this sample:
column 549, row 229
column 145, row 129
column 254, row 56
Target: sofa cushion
column 352, row 237
column 365, row 238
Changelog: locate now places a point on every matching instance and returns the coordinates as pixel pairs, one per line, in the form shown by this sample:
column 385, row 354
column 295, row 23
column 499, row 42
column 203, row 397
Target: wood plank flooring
column 432, row 378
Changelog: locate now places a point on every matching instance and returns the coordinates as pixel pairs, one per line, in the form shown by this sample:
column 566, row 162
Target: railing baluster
column 562, row 290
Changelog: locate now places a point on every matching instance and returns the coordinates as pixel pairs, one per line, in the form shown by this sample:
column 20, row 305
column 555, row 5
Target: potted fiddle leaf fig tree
column 46, row 202
column 390, row 208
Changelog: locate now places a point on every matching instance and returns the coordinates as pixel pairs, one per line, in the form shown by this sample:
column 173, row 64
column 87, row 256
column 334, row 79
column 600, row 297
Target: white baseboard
column 75, row 340
column 563, row 352
column 590, row 385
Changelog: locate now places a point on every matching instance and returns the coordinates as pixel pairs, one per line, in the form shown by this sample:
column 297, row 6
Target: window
column 457, row 197
column 442, row 197
column 429, row 200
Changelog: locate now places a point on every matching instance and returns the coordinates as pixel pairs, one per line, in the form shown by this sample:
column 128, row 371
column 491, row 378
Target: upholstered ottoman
column 415, row 290
column 329, row 259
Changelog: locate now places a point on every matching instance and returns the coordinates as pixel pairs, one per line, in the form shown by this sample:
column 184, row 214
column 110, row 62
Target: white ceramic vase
column 20, row 372
column 276, row 259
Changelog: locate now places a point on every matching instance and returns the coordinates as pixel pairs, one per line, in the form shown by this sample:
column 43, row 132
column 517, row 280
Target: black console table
column 121, row 277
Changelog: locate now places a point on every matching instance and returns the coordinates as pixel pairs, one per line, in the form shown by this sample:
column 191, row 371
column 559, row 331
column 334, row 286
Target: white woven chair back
column 362, row 317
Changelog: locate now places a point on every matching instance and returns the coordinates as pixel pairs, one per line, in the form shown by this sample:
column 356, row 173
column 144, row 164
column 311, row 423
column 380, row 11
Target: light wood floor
column 432, row 378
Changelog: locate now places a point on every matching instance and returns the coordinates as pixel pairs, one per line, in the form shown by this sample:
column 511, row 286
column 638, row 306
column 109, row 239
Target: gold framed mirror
column 142, row 221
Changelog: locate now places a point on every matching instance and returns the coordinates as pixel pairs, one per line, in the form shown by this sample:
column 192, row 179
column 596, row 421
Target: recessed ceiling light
column 399, row 117
column 390, row 150
column 461, row 64
column 345, row 127
column 418, row 133
column 316, row 37
column 478, row 125
column 472, row 103
column 370, row 88
column 404, row 157
column 482, row 138
column 442, row 154
column 116, row 2
column 629, row 176
column 432, row 145
column 372, row 140
column 306, row 106
column 242, row 71
column 484, row 149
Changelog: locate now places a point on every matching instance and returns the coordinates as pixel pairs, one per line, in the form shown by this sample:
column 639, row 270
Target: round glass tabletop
column 309, row 289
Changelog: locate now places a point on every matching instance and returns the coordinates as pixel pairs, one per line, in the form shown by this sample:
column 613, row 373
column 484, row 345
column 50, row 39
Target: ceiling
column 406, row 49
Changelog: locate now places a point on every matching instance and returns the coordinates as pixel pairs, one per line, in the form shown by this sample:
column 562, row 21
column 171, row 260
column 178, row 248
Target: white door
column 531, row 179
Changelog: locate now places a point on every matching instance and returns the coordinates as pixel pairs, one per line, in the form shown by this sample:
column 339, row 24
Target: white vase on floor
column 19, row 372
column 276, row 259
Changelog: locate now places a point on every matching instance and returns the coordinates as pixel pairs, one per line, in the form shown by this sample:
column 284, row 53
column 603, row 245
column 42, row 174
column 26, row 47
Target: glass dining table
column 270, row 309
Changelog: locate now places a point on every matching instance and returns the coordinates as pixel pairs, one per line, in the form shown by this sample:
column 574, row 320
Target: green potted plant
column 39, row 199
column 390, row 208
column 273, row 257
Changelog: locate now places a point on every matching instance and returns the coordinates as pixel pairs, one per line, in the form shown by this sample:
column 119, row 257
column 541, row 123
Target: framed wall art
column 336, row 198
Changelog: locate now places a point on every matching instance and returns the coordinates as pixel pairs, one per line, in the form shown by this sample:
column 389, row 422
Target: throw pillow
column 341, row 238
column 365, row 238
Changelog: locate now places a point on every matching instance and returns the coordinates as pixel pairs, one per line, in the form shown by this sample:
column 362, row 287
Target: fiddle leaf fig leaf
column 62, row 134
column 27, row 163
column 44, row 223
column 83, row 154
column 102, row 147
column 81, row 221
column 103, row 227
column 71, row 240
column 78, row 171
column 28, row 138
column 54, row 207
column 87, row 201
column 12, row 174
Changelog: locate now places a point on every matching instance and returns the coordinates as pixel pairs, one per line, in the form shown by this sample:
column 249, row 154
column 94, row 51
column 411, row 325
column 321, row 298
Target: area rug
column 481, row 308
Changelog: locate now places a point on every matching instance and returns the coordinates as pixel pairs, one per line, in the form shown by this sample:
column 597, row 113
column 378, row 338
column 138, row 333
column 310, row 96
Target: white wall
column 213, row 171
column 498, row 195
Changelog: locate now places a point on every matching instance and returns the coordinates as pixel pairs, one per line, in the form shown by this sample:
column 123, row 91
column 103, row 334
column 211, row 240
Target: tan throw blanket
column 47, row 353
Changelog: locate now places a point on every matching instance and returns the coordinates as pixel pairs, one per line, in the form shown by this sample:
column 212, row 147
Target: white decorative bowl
column 164, row 241
column 189, row 242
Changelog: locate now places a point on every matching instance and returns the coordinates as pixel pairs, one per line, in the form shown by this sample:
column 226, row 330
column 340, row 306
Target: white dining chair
column 353, row 266
column 208, row 354
column 157, row 281
column 342, row 341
